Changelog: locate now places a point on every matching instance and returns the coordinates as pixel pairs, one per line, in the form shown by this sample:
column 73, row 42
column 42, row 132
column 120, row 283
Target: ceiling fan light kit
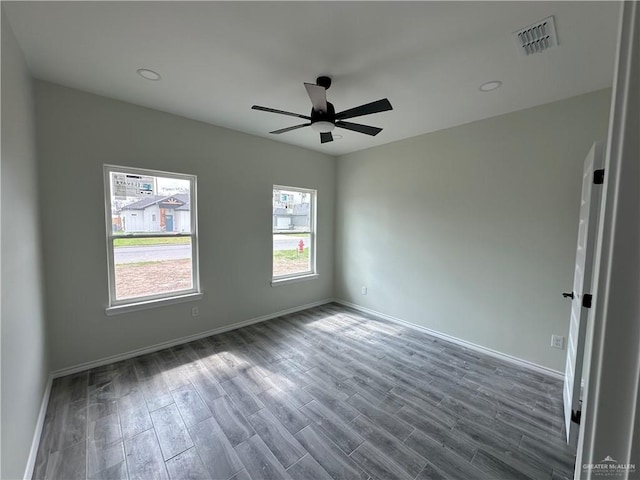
column 323, row 117
column 323, row 126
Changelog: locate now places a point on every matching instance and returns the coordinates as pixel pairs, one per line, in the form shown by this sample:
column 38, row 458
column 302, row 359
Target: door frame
column 611, row 407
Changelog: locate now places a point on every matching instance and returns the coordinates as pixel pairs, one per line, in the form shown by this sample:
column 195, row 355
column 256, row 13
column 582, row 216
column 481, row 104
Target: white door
column 581, row 294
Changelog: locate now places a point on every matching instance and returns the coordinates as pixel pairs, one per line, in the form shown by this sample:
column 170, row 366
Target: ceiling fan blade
column 367, row 109
column 281, row 112
column 318, row 96
column 288, row 129
column 357, row 127
column 326, row 137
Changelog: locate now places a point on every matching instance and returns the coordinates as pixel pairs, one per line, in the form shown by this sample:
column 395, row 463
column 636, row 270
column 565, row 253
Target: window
column 152, row 242
column 293, row 233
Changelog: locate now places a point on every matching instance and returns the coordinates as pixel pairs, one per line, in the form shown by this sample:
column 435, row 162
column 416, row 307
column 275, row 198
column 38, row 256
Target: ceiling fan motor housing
column 320, row 116
column 323, row 121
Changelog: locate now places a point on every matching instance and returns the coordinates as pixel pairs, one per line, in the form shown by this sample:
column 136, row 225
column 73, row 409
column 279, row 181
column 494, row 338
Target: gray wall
column 471, row 231
column 78, row 133
column 24, row 353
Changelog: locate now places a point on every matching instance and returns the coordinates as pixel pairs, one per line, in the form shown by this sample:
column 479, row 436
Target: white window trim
column 312, row 273
column 303, row 277
column 150, row 301
column 134, row 307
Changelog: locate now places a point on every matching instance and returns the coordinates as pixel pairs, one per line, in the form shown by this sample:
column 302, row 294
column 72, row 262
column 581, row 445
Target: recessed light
column 148, row 74
column 489, row 86
column 337, row 136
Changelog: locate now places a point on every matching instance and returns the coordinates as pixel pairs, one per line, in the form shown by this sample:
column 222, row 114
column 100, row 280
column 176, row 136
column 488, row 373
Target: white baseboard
column 35, row 443
column 471, row 346
column 171, row 343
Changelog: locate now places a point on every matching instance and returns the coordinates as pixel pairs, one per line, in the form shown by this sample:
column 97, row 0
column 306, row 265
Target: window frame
column 148, row 301
column 312, row 272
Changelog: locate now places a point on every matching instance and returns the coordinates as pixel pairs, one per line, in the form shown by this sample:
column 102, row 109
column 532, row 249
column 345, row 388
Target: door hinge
column 586, row 300
column 598, row 176
column 575, row 416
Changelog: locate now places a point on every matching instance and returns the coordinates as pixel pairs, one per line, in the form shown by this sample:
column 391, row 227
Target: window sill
column 134, row 307
column 301, row 278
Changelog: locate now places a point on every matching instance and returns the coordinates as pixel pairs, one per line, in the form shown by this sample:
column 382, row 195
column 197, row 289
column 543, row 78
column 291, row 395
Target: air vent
column 537, row 38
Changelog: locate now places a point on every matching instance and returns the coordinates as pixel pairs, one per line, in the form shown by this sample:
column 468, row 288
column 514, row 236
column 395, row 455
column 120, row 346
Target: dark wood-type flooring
column 327, row 393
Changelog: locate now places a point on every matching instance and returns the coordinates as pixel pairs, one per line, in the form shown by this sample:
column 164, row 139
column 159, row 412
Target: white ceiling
column 219, row 58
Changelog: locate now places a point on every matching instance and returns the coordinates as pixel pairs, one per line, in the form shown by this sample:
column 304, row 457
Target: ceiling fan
column 323, row 117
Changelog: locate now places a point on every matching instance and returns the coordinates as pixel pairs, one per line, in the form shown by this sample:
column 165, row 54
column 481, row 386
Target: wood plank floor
column 327, row 393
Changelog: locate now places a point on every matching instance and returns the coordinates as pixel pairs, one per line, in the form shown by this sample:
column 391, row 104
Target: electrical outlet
column 557, row 341
column 364, row 290
column 195, row 311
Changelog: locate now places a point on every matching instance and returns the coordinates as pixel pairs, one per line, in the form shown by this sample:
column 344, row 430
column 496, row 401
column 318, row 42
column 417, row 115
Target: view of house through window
column 293, row 231
column 151, row 234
